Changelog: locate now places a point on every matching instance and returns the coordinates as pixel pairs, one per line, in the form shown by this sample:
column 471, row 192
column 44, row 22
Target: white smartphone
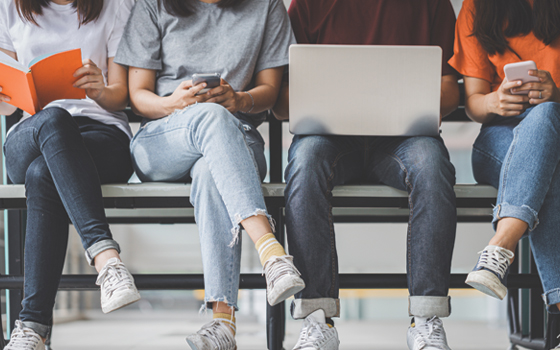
column 212, row 80
column 520, row 71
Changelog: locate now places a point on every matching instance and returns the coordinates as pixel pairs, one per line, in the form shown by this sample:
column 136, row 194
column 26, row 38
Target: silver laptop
column 365, row 90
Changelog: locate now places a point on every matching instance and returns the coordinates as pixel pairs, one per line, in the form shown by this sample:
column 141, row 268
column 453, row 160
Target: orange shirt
column 471, row 60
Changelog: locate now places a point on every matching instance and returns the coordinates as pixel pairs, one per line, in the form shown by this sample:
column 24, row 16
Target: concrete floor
column 167, row 330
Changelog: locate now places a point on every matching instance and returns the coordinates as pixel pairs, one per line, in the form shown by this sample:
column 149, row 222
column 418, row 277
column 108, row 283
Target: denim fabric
column 62, row 161
column 224, row 159
column 520, row 156
column 419, row 165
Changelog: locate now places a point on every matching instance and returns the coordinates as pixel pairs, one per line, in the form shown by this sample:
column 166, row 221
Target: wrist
column 168, row 105
column 250, row 102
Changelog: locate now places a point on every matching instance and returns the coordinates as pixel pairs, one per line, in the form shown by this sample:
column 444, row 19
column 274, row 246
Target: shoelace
column 113, row 277
column 23, row 338
column 430, row 334
column 218, row 334
column 311, row 334
column 496, row 259
column 277, row 267
column 558, row 346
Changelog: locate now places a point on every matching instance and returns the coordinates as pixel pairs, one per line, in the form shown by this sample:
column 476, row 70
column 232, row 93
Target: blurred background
column 369, row 318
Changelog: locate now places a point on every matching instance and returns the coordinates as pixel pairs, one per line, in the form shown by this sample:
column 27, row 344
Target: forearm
column 264, row 98
column 114, row 98
column 7, row 109
column 281, row 109
column 149, row 105
column 477, row 107
column 449, row 98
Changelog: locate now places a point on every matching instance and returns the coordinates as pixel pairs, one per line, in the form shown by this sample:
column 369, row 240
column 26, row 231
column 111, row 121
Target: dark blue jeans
column 520, row 156
column 419, row 165
column 62, row 161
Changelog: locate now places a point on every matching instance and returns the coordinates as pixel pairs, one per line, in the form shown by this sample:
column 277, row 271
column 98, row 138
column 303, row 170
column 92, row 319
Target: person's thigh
column 490, row 149
column 109, row 149
column 395, row 161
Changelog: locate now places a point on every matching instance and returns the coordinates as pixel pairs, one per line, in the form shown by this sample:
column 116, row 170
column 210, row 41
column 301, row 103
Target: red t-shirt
column 376, row 22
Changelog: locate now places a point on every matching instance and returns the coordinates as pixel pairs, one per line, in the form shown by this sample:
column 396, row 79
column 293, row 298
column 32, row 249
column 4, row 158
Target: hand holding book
column 91, row 80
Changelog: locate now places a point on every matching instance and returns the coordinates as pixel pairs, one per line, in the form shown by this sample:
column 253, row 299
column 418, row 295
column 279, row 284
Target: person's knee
column 432, row 166
column 53, row 116
column 546, row 114
column 38, row 175
column 213, row 113
column 308, row 160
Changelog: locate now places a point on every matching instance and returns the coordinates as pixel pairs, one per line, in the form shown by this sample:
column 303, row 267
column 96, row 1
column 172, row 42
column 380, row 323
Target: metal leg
column 276, row 315
column 15, row 236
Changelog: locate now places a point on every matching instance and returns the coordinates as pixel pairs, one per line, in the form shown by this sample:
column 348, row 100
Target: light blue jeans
column 224, row 158
column 520, row 157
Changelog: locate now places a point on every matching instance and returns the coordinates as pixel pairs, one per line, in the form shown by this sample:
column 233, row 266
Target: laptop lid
column 365, row 90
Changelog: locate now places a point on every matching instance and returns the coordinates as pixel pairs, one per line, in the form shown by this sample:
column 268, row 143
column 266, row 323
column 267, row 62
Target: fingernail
column 7, row 99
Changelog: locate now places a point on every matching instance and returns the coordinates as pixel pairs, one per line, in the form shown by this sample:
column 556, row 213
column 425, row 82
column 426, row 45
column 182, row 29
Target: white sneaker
column 489, row 274
column 117, row 286
column 282, row 279
column 316, row 334
column 215, row 335
column 429, row 335
column 24, row 338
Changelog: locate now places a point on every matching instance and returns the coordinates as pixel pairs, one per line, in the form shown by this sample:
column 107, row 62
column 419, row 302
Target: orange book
column 48, row 78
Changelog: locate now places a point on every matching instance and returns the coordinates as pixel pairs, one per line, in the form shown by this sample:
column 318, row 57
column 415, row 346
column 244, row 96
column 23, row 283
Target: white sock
column 420, row 320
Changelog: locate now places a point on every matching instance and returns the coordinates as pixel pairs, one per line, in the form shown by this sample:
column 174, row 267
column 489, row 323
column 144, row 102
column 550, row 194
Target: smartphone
column 212, row 80
column 520, row 71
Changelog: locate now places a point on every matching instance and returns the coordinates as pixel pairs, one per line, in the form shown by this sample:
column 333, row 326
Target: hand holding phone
column 212, row 80
column 520, row 71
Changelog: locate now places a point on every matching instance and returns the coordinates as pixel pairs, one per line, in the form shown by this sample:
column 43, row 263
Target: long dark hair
column 183, row 8
column 88, row 10
column 497, row 20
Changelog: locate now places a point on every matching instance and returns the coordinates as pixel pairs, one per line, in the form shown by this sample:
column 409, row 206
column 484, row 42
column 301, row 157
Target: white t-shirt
column 60, row 30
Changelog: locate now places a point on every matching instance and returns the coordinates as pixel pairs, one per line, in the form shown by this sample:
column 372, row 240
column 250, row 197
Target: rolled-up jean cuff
column 301, row 308
column 523, row 213
column 429, row 306
column 99, row 247
column 551, row 298
column 41, row 329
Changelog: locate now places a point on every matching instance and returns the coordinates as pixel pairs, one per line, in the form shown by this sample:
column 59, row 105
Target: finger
column 5, row 98
column 514, row 99
column 542, row 74
column 87, row 70
column 95, row 86
column 217, row 91
column 536, row 95
column 514, row 107
column 512, row 113
column 507, row 85
column 187, row 84
column 193, row 90
column 530, row 87
column 218, row 99
column 87, row 79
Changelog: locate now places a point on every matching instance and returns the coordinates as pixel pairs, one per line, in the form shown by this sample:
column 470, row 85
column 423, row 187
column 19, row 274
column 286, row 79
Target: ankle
column 102, row 258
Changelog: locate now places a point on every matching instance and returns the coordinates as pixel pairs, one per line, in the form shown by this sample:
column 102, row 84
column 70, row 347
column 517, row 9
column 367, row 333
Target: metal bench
column 530, row 325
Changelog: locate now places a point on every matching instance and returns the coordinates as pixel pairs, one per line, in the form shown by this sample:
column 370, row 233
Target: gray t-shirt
column 236, row 42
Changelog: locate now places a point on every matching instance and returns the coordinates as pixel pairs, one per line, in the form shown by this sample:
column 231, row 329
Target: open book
column 47, row 79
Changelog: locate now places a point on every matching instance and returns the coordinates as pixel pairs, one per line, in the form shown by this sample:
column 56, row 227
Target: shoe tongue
column 420, row 320
column 319, row 316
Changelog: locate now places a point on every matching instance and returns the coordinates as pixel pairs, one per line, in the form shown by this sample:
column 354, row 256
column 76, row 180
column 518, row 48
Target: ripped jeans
column 223, row 157
column 520, row 157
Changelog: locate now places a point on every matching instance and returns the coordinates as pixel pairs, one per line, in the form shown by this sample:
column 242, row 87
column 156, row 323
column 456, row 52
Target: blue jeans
column 419, row 165
column 520, row 156
column 62, row 161
column 224, row 158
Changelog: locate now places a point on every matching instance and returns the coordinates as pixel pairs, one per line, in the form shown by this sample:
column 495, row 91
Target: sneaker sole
column 487, row 283
column 286, row 287
column 122, row 301
column 193, row 347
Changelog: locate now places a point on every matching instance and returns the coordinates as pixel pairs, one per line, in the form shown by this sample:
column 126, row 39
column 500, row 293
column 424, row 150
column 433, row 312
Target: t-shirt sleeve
column 441, row 32
column 470, row 59
column 277, row 39
column 5, row 39
column 121, row 17
column 140, row 45
column 299, row 16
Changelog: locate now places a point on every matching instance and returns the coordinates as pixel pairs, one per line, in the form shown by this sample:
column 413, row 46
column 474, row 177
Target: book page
column 10, row 62
column 54, row 77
